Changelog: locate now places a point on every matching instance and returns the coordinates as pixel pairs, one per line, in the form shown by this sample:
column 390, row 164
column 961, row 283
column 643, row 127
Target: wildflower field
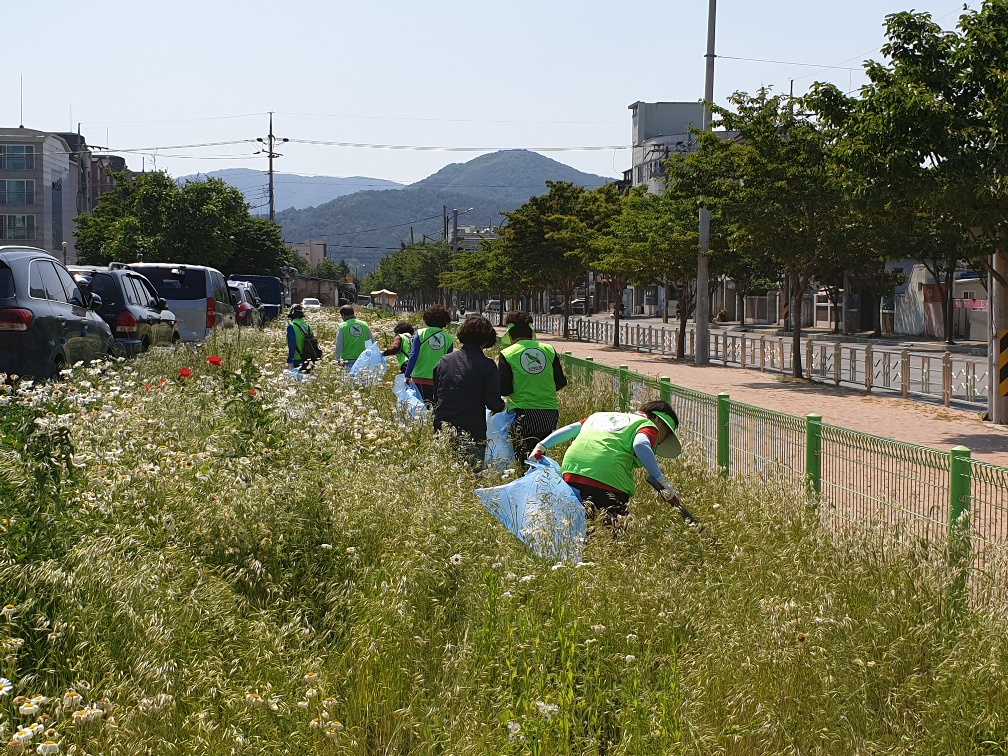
column 208, row 556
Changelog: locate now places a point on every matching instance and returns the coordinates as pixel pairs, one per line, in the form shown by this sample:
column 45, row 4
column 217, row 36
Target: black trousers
column 426, row 392
column 611, row 504
column 530, row 427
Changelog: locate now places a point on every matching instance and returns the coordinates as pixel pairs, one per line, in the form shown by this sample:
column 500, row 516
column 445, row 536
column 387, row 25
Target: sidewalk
column 900, row 419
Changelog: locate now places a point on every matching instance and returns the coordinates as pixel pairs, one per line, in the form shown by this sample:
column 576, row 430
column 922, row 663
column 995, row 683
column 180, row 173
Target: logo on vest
column 609, row 422
column 356, row 330
column 437, row 342
column 533, row 361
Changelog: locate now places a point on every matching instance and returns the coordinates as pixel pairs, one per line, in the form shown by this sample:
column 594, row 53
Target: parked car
column 46, row 323
column 577, row 307
column 363, row 300
column 311, row 303
column 198, row 296
column 138, row 317
column 248, row 306
column 492, row 305
column 270, row 290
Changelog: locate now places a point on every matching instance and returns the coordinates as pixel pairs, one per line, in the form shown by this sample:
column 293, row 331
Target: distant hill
column 365, row 226
column 291, row 190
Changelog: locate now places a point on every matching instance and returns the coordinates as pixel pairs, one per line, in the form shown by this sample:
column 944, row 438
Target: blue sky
column 156, row 78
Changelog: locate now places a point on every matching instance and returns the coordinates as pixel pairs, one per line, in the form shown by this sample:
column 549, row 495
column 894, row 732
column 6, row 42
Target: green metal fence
column 853, row 477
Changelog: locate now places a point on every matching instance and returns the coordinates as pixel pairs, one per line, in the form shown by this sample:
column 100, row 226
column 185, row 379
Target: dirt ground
column 914, row 422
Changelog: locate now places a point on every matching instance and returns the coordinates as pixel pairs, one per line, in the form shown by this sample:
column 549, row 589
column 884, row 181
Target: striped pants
column 530, row 427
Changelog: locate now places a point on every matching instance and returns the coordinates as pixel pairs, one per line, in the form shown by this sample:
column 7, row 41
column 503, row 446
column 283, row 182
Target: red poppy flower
column 252, row 392
column 184, row 373
column 215, row 361
column 148, row 386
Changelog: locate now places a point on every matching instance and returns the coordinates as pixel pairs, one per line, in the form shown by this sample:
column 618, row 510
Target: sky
column 188, row 86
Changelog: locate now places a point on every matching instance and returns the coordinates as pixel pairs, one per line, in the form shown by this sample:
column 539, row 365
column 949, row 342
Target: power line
column 428, row 148
column 786, row 63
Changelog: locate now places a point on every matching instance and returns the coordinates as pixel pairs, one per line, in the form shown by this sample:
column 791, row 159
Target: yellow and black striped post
column 1003, row 363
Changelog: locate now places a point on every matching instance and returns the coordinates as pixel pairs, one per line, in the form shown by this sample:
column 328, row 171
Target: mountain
column 365, row 226
column 291, row 190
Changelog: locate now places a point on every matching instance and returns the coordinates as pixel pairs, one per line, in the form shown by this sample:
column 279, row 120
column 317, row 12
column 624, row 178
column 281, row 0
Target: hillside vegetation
column 365, row 226
column 202, row 558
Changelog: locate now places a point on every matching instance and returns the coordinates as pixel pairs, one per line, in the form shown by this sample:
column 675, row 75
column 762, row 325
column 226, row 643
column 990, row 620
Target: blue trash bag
column 542, row 510
column 370, row 367
column 410, row 405
column 499, row 450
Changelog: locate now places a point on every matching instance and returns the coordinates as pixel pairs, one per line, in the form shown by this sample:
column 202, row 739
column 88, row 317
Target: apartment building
column 46, row 180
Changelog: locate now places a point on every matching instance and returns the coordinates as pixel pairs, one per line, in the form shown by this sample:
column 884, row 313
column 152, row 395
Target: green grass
column 201, row 553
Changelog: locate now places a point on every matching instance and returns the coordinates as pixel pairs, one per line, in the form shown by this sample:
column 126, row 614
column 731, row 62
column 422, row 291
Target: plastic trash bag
column 499, row 450
column 299, row 375
column 542, row 510
column 410, row 405
column 370, row 367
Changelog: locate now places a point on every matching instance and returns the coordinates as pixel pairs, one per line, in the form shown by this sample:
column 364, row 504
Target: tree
column 150, row 217
column 546, row 242
column 779, row 189
column 337, row 271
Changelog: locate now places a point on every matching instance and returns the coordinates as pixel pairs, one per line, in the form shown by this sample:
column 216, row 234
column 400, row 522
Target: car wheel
column 144, row 345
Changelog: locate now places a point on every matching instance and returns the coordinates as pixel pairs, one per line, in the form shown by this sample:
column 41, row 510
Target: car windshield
column 311, row 301
column 6, row 283
column 171, row 283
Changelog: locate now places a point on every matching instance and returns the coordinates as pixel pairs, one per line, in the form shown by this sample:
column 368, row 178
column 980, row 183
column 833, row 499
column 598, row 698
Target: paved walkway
column 904, row 420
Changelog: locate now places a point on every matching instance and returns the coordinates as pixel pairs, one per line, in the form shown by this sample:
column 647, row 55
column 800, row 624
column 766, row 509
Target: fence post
column 692, row 345
column 624, row 387
column 960, row 474
column 723, row 432
column 780, row 351
column 869, row 368
column 743, row 352
column 665, row 388
column 809, row 358
column 589, row 369
column 813, row 452
column 947, row 378
column 905, row 372
column 837, row 359
column 762, row 354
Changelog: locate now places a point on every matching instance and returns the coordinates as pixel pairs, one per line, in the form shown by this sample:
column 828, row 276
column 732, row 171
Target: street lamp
column 65, row 245
column 701, row 314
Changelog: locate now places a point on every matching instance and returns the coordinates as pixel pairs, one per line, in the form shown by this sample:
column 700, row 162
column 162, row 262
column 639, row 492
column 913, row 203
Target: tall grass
column 238, row 562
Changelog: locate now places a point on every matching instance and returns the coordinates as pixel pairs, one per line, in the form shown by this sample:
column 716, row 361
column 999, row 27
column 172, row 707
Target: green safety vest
column 301, row 328
column 355, row 333
column 405, row 347
column 532, row 368
column 434, row 344
column 603, row 450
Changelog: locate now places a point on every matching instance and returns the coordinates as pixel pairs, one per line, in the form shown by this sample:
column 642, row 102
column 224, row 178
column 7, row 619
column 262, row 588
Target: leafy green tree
column 780, row 190
column 150, row 217
column 337, row 271
column 546, row 241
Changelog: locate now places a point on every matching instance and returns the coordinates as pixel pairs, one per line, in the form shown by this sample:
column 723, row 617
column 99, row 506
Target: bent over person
column 352, row 336
column 606, row 449
column 531, row 375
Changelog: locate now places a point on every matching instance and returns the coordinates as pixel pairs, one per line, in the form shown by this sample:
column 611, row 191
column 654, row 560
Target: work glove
column 668, row 493
column 537, row 453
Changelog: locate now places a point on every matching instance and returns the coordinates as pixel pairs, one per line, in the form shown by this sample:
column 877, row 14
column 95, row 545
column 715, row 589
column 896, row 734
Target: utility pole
column 702, row 312
column 997, row 350
column 270, row 153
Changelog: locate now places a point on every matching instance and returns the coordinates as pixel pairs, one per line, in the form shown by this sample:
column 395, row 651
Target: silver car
column 198, row 296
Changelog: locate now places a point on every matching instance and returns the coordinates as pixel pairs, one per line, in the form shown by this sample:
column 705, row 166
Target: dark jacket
column 466, row 384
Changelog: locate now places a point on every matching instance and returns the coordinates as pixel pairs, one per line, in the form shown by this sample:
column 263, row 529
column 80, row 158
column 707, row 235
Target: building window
column 17, row 157
column 17, row 227
column 17, row 192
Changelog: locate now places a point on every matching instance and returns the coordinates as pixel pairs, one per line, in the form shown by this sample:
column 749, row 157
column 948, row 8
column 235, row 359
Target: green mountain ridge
column 365, row 226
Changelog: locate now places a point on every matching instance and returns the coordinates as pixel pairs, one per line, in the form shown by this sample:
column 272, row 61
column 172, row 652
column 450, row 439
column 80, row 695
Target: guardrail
column 919, row 492
column 901, row 372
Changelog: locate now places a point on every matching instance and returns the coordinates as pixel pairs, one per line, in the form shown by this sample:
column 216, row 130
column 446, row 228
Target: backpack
column 310, row 349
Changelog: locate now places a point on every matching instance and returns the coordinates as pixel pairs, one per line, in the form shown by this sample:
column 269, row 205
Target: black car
column 45, row 321
column 138, row 317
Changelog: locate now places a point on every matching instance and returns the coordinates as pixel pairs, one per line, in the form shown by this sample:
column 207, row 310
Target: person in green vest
column 352, row 336
column 515, row 316
column 297, row 329
column 606, row 448
column 531, row 374
column 402, row 344
column 429, row 345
